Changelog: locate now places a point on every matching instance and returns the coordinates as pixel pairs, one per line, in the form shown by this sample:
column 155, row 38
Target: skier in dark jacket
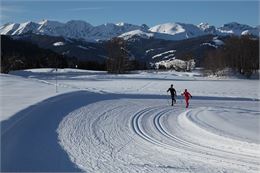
column 173, row 93
column 187, row 96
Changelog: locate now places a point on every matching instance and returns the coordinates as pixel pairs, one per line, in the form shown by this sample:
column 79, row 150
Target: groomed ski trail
column 144, row 135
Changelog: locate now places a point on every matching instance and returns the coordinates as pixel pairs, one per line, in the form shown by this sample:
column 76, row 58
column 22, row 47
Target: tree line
column 120, row 60
column 241, row 54
column 18, row 55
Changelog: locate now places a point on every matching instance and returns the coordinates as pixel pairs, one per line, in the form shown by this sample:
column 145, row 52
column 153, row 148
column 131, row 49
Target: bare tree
column 239, row 53
column 118, row 56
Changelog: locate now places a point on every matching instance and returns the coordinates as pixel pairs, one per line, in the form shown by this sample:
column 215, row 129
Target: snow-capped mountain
column 26, row 27
column 237, row 29
column 77, row 29
column 72, row 29
column 179, row 30
column 137, row 33
column 8, row 29
column 209, row 29
column 167, row 31
column 232, row 28
column 149, row 34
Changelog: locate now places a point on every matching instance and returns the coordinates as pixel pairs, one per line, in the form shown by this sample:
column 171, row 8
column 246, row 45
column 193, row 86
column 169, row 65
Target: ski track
column 129, row 135
column 133, row 134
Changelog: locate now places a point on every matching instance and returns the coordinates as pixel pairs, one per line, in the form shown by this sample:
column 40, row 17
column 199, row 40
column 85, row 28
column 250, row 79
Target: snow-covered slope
column 124, row 123
column 8, row 29
column 137, row 33
column 179, row 30
column 26, row 27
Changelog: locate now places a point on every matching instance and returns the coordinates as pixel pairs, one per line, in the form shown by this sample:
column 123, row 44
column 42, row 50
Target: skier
column 173, row 93
column 187, row 96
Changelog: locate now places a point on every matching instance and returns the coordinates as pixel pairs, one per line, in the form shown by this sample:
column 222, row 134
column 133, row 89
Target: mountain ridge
column 79, row 29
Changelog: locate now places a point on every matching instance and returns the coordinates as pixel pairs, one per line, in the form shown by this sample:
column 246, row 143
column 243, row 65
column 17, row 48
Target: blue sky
column 149, row 12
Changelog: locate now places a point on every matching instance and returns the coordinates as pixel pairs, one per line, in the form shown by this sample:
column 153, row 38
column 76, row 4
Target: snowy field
column 99, row 122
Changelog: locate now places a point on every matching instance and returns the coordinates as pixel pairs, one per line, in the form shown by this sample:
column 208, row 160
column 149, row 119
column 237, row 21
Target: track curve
column 135, row 135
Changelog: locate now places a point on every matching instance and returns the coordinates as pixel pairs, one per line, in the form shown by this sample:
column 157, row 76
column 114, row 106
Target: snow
column 217, row 41
column 204, row 26
column 12, row 102
column 180, row 31
column 26, row 27
column 148, row 51
column 50, row 27
column 9, row 28
column 169, row 53
column 234, row 28
column 175, row 64
column 99, row 122
column 169, row 28
column 209, row 44
column 78, row 29
column 59, row 44
column 147, row 128
column 139, row 33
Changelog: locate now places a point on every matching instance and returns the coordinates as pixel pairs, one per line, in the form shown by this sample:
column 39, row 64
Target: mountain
column 144, row 50
column 167, row 31
column 77, row 29
column 82, row 42
column 237, row 29
column 154, row 50
column 209, row 29
column 181, row 31
column 81, row 49
column 18, row 54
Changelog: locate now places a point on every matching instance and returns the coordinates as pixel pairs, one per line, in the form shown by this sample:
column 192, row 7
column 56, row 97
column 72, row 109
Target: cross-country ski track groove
column 188, row 146
column 102, row 132
column 143, row 135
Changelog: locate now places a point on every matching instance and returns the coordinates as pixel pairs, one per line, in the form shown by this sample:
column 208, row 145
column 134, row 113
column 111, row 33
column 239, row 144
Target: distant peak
column 120, row 24
column 203, row 24
column 233, row 24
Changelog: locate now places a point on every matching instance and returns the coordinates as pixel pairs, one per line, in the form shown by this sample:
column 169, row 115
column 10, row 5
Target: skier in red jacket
column 187, row 96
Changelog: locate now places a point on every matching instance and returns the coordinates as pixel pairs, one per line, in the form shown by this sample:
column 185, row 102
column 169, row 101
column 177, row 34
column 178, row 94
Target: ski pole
column 168, row 100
